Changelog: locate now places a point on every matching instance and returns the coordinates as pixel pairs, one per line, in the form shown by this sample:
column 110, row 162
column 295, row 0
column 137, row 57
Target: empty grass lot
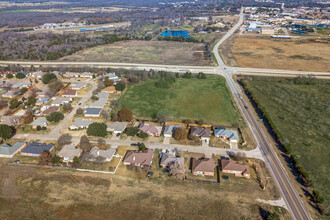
column 193, row 99
column 300, row 109
column 36, row 193
column 150, row 52
column 288, row 54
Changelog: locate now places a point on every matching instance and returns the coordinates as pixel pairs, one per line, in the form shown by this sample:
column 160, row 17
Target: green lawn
column 300, row 109
column 193, row 99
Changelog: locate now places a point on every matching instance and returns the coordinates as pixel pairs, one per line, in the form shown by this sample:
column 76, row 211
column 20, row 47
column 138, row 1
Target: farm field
column 299, row 108
column 289, row 54
column 193, row 99
column 63, row 194
column 150, row 52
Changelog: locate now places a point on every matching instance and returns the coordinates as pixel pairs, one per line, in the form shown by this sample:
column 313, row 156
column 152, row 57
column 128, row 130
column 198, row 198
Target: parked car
column 79, row 103
column 166, row 171
column 150, row 174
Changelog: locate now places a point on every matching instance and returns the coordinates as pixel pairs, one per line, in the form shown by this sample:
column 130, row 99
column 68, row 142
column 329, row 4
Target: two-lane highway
column 289, row 194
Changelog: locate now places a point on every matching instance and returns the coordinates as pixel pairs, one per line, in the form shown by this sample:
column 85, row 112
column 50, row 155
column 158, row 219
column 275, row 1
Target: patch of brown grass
column 282, row 54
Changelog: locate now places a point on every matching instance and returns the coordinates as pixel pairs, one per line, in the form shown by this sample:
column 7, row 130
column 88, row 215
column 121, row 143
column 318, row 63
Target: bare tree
column 239, row 156
column 178, row 171
column 101, row 141
column 105, row 114
column 44, row 158
column 85, row 145
column 64, row 139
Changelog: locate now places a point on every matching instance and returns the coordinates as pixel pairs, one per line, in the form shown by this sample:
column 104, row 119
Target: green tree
column 9, row 76
column 85, row 145
column 56, row 159
column 187, row 75
column 23, row 90
column 132, row 131
column 55, row 117
column 143, row 135
column 48, row 77
column 75, row 159
column 31, row 101
column 201, row 76
column 13, row 103
column 20, row 75
column 97, row 129
column 142, row 147
column 120, row 86
column 5, row 132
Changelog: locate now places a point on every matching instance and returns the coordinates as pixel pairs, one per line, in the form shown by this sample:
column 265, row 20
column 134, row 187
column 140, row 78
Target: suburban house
column 49, row 110
column 41, row 100
column 34, row 149
column 103, row 95
column 93, row 112
column 78, row 85
column 107, row 154
column 61, row 100
column 10, row 120
column 202, row 167
column 20, row 85
column 43, row 93
column 202, row 133
column 20, row 113
column 112, row 76
column 38, row 74
column 169, row 130
column 9, row 151
column 228, row 166
column 142, row 159
column 41, row 121
column 68, row 152
column 86, row 75
column 98, row 103
column 151, row 129
column 230, row 135
column 70, row 93
column 10, row 94
column 170, row 159
column 80, row 123
column 116, row 127
column 71, row 75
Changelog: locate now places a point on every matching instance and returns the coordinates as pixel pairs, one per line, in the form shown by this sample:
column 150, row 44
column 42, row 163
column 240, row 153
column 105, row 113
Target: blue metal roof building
column 34, row 149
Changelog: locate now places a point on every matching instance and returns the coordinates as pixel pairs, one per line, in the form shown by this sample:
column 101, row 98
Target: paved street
column 296, row 208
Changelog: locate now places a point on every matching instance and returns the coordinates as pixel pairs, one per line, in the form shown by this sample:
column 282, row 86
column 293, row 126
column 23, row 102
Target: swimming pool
column 170, row 33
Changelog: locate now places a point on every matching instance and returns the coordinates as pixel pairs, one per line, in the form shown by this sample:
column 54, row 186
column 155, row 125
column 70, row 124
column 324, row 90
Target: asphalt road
column 170, row 68
column 289, row 194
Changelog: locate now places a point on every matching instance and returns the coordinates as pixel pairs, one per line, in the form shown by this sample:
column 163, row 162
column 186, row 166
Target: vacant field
column 300, row 109
column 34, row 193
column 306, row 55
column 193, row 99
column 151, row 52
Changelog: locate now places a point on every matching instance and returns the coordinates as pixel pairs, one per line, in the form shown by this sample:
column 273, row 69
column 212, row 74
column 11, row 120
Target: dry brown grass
column 58, row 194
column 151, row 52
column 294, row 54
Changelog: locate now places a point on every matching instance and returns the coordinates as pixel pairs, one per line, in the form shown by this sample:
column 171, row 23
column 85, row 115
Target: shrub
column 125, row 115
column 5, row 132
column 9, row 76
column 187, row 75
column 20, row 75
column 120, row 86
column 38, row 128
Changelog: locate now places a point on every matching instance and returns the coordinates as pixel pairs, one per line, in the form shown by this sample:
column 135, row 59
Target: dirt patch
column 151, row 52
column 294, row 54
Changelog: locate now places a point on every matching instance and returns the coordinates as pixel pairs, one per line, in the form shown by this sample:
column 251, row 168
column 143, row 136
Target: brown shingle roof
column 231, row 165
column 141, row 158
column 50, row 110
column 70, row 92
column 204, row 165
